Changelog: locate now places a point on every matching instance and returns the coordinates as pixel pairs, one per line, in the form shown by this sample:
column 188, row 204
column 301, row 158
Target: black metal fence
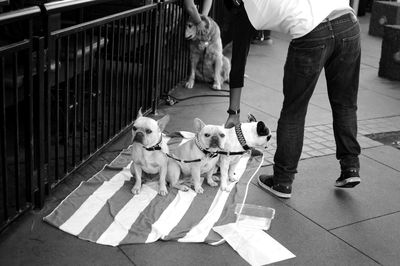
column 69, row 91
column 18, row 69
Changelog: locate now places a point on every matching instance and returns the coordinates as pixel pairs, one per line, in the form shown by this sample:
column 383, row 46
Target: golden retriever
column 207, row 63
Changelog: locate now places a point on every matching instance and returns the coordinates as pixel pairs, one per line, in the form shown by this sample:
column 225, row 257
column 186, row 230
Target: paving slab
column 385, row 155
column 369, row 80
column 211, row 113
column 370, row 45
column 170, row 253
column 374, row 105
column 315, row 196
column 201, row 93
column 371, row 104
column 379, row 238
column 265, row 99
column 30, row 241
column 303, row 237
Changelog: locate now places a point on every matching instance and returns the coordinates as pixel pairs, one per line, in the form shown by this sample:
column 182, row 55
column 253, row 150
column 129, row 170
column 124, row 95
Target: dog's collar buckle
column 156, row 147
column 242, row 140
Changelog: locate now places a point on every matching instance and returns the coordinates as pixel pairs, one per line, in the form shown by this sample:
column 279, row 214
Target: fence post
column 29, row 134
column 39, row 97
column 157, row 55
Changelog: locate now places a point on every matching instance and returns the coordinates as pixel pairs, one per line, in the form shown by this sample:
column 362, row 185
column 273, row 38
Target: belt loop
column 329, row 25
column 353, row 17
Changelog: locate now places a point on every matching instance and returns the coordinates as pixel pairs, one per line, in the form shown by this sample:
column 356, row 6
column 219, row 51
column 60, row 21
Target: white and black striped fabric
column 103, row 209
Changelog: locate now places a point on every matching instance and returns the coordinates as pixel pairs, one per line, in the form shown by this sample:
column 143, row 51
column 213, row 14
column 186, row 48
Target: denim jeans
column 335, row 46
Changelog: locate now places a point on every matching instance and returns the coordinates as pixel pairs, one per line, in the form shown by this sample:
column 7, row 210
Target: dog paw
column 163, row 191
column 182, row 187
column 225, row 188
column 199, row 190
column 212, row 183
column 233, row 178
column 216, row 178
column 216, row 87
column 135, row 190
column 189, row 84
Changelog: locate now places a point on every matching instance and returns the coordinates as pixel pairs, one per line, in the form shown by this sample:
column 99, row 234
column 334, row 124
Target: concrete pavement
column 320, row 224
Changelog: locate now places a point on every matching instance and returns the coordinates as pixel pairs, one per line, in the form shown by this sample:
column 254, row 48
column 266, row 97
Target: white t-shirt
column 293, row 17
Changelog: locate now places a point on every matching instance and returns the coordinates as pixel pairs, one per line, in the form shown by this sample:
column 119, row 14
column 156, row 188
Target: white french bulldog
column 197, row 156
column 149, row 151
column 254, row 134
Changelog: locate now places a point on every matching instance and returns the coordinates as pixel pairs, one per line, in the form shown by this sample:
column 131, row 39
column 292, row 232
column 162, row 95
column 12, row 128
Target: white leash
column 247, row 188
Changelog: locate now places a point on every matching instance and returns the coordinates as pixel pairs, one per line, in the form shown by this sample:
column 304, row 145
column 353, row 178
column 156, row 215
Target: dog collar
column 206, row 152
column 242, row 140
column 156, row 147
column 229, row 153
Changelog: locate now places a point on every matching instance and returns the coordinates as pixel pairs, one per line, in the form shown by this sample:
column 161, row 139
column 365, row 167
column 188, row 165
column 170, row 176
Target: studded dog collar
column 242, row 140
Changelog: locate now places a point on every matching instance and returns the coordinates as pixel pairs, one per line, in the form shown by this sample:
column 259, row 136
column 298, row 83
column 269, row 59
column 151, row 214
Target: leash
column 247, row 187
column 206, row 152
column 206, row 43
column 182, row 161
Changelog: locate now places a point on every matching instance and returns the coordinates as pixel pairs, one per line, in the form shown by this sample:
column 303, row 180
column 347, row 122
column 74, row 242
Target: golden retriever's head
column 191, row 29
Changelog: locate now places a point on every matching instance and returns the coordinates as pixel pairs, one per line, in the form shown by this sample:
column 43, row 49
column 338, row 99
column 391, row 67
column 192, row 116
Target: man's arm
column 194, row 14
column 192, row 11
column 234, row 105
column 206, row 7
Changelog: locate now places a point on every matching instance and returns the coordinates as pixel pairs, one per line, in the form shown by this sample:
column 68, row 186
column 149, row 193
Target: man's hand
column 232, row 121
column 201, row 28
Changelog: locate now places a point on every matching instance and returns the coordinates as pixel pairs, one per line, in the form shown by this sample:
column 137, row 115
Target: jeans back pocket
column 305, row 61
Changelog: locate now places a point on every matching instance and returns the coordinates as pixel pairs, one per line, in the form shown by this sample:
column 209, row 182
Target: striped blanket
column 103, row 209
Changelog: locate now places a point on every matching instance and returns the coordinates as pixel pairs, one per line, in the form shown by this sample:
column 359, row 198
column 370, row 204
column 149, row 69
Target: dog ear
column 139, row 113
column 162, row 123
column 251, row 118
column 198, row 125
column 262, row 130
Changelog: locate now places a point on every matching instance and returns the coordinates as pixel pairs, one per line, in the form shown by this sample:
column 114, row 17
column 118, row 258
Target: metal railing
column 76, row 89
column 20, row 67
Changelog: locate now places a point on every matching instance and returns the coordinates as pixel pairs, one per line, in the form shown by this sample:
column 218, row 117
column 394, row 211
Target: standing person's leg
column 342, row 74
column 304, row 62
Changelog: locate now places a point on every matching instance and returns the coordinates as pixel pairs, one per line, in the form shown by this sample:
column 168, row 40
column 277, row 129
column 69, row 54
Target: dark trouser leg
column 342, row 75
column 302, row 69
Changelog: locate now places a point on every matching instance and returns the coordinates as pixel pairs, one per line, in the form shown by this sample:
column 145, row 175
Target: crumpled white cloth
column 253, row 245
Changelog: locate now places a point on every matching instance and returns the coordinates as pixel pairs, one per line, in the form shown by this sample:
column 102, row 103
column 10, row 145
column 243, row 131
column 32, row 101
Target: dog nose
column 214, row 142
column 138, row 137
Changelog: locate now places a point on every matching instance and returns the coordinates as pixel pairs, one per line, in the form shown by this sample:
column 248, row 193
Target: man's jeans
column 335, row 46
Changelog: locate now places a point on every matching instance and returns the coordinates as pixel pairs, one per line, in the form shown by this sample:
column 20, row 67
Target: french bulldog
column 197, row 156
column 149, row 151
column 254, row 135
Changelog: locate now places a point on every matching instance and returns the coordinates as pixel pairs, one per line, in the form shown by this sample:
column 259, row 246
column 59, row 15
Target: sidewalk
column 320, row 224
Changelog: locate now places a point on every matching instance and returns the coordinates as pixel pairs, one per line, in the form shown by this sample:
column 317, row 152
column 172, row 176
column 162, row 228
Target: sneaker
column 278, row 190
column 348, row 179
